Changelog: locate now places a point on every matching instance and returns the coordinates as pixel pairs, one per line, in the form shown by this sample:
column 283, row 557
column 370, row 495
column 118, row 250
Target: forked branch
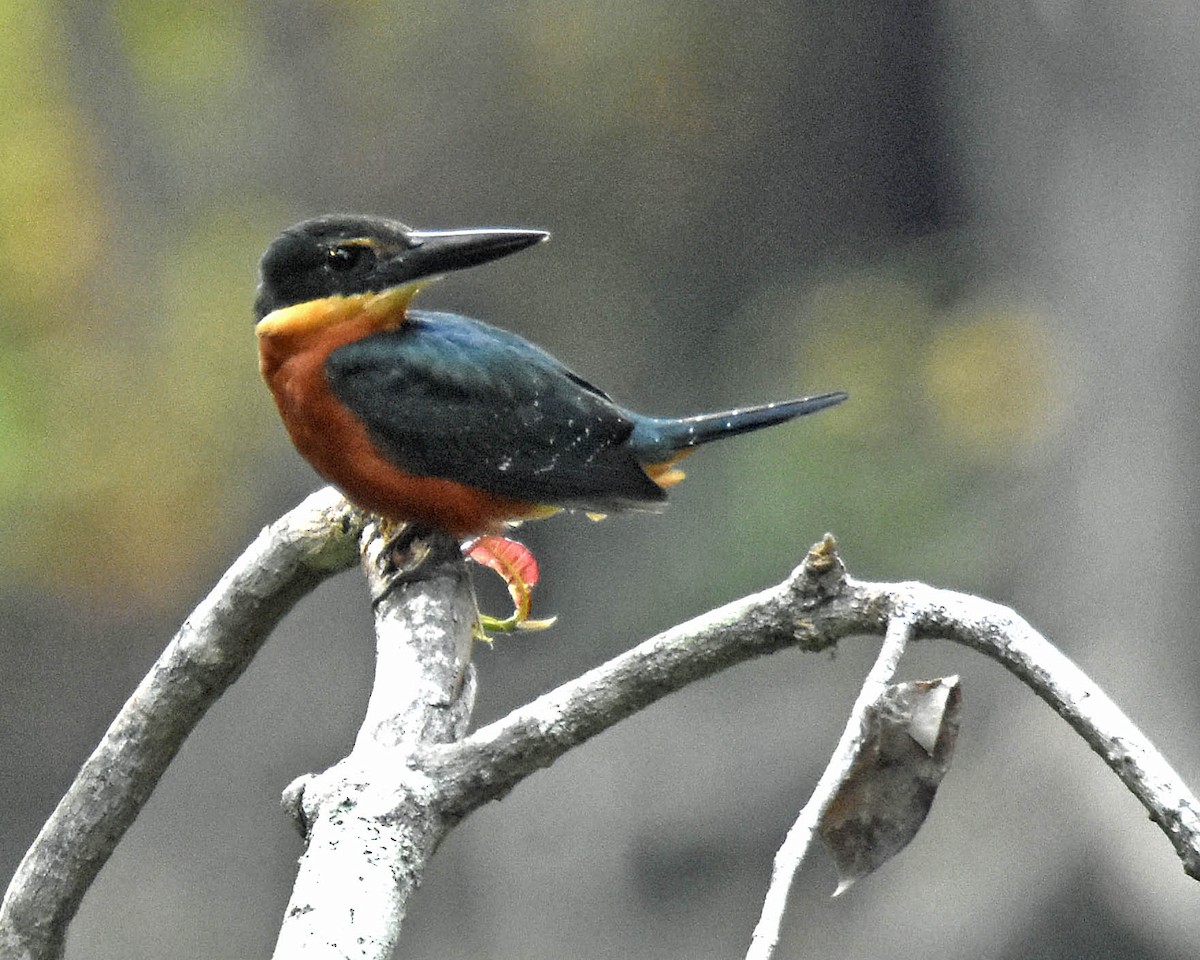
column 412, row 775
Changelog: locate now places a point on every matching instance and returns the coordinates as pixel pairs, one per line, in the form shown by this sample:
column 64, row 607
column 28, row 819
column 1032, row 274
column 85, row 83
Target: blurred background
column 979, row 219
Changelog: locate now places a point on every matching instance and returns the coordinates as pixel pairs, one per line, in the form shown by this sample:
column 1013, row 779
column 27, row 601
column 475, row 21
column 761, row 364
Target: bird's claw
column 405, row 546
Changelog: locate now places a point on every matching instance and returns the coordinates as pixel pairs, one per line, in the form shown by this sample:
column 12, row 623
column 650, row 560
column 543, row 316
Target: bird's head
column 345, row 256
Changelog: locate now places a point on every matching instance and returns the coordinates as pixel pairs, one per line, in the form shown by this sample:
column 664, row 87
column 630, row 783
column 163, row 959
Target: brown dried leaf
column 908, row 739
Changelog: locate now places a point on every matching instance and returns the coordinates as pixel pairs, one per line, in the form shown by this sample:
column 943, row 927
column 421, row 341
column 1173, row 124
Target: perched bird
column 441, row 420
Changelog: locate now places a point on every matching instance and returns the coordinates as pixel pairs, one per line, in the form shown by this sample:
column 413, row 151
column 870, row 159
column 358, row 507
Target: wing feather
column 446, row 396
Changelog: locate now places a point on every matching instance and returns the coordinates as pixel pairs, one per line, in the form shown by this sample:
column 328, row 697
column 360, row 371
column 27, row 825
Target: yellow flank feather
column 666, row 474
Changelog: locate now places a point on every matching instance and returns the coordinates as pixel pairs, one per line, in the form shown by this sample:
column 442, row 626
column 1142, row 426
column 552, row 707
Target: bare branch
column 795, row 846
column 812, row 610
column 1004, row 636
column 487, row 764
column 373, row 820
column 210, row 651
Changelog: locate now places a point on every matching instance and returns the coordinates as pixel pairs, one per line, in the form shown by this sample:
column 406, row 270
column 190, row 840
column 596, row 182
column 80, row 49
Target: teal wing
column 446, row 396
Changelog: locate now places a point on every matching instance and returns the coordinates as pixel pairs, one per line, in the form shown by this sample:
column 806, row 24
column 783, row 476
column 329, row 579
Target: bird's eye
column 351, row 256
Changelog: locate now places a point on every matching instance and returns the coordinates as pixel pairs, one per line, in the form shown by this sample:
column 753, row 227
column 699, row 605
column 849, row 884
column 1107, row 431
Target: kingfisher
column 444, row 422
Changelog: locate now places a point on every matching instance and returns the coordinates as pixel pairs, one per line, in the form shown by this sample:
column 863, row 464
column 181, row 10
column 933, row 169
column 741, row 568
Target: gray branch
column 374, row 819
column 210, row 651
column 812, row 612
column 817, row 606
column 799, row 838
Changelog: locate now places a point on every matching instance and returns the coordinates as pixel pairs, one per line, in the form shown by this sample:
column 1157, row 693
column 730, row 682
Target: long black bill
column 441, row 251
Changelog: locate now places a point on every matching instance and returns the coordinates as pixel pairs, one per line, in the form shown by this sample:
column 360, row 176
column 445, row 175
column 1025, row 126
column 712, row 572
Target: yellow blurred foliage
column 126, row 362
column 944, row 400
column 53, row 215
column 984, row 378
column 989, row 377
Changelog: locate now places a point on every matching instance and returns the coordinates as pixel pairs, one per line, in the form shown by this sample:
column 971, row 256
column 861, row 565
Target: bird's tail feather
column 669, row 435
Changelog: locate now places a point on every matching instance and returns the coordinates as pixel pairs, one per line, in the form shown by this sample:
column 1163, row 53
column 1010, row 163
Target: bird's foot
column 516, row 566
column 403, row 549
column 405, row 546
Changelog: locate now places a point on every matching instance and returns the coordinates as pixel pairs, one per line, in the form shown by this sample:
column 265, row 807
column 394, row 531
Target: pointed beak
column 434, row 252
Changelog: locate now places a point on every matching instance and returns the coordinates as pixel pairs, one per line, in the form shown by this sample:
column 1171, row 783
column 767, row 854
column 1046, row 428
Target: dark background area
column 979, row 219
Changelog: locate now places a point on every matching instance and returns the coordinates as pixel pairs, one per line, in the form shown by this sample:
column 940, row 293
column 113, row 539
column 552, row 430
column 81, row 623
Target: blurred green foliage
column 53, row 211
column 186, row 55
column 124, row 381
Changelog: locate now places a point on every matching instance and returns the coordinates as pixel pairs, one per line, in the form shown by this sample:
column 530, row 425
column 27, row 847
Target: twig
column 210, row 651
column 796, row 844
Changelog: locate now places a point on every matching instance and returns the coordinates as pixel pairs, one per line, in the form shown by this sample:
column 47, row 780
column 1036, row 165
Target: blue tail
column 660, row 437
